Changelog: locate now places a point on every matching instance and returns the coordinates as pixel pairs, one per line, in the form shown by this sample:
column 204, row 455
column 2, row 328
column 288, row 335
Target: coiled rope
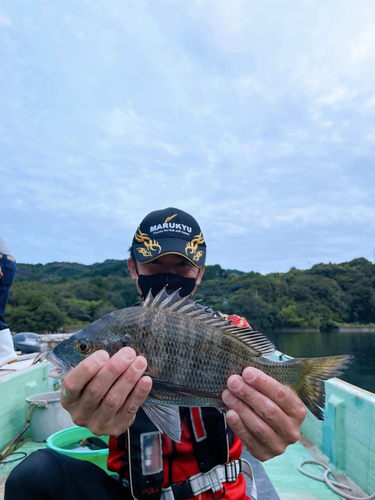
column 331, row 484
column 7, row 460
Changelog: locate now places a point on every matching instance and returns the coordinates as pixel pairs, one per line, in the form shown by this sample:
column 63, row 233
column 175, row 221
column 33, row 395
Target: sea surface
column 308, row 345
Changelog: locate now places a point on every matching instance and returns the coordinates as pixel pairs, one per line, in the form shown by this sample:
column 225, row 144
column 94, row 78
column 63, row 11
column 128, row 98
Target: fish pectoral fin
column 165, row 418
column 161, row 386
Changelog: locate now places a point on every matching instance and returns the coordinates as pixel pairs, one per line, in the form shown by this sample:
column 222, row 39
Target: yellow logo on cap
column 170, row 218
column 151, row 245
column 192, row 246
column 198, row 255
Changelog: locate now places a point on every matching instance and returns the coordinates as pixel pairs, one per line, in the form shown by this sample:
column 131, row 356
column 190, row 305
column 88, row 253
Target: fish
column 191, row 351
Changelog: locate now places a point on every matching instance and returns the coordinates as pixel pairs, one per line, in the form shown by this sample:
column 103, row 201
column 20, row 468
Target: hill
column 69, row 295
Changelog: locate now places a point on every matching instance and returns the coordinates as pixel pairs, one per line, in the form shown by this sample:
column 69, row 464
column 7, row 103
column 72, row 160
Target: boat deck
column 291, row 484
column 27, row 447
column 276, row 479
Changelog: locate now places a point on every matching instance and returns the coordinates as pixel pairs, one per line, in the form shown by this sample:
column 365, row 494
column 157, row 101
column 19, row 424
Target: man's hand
column 104, row 394
column 264, row 414
column 1, row 273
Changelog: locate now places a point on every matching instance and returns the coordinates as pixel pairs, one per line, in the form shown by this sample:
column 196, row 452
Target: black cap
column 169, row 231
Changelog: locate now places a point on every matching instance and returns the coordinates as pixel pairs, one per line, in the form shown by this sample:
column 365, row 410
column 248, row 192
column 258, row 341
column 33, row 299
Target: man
column 8, row 273
column 105, row 395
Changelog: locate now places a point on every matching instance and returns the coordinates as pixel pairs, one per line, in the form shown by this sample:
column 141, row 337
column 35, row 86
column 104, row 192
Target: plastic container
column 66, row 437
column 46, row 415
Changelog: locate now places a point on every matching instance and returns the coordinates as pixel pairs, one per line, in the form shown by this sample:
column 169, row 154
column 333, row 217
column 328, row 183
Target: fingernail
column 228, row 397
column 101, row 356
column 249, row 374
column 145, row 381
column 231, row 417
column 128, row 353
column 65, row 392
column 140, row 364
column 235, row 383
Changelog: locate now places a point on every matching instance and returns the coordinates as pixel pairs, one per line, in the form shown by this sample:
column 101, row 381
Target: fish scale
column 185, row 353
column 191, row 352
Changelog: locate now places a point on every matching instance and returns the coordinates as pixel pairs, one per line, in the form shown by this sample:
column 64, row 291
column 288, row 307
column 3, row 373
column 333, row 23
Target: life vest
column 153, row 461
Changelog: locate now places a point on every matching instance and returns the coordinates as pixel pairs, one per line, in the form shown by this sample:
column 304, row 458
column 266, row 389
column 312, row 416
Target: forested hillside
column 62, row 295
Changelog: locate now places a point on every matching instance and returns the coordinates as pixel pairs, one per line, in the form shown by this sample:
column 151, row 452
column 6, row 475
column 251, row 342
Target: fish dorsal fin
column 254, row 340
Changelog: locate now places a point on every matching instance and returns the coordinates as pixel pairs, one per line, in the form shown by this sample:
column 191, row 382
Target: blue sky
column 255, row 117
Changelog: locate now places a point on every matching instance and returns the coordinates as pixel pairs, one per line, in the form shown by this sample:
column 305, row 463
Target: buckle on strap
column 211, row 480
column 182, row 490
column 232, row 471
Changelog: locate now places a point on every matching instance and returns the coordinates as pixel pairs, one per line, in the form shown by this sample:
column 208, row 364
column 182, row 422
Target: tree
column 49, row 315
column 48, row 296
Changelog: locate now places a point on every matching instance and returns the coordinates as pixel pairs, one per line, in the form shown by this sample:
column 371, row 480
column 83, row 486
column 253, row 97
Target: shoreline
column 342, row 329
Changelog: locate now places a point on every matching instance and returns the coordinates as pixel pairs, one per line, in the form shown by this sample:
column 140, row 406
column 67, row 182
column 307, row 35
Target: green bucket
column 61, row 439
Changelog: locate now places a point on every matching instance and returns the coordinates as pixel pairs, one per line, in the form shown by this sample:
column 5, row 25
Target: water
column 308, row 345
column 87, row 444
column 76, row 447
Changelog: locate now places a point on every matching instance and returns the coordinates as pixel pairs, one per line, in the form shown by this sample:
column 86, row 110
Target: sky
column 255, row 117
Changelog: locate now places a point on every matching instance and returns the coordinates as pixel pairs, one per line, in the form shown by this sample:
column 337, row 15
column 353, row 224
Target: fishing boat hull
column 345, row 440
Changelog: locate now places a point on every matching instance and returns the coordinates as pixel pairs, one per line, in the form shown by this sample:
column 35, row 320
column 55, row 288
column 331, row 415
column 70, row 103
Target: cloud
column 256, row 118
column 5, row 21
column 127, row 128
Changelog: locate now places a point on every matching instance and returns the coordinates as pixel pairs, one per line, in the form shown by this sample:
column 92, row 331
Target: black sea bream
column 191, row 352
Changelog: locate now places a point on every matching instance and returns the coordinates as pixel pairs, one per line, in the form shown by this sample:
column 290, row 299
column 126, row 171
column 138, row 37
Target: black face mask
column 172, row 281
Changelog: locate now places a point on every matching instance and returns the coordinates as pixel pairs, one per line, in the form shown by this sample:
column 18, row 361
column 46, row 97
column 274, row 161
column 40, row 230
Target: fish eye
column 84, row 346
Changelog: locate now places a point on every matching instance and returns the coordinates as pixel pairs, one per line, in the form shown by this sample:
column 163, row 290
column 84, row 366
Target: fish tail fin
column 310, row 387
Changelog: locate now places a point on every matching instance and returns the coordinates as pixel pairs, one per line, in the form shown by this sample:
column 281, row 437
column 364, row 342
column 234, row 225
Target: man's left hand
column 264, row 414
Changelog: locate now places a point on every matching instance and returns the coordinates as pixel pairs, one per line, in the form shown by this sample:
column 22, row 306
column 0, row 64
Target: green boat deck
column 5, row 469
column 290, row 484
column 282, row 471
column 344, row 440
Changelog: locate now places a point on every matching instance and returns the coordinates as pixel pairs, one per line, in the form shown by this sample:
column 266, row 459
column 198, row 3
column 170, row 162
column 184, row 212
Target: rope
column 31, row 408
column 329, row 483
column 6, row 461
column 29, row 411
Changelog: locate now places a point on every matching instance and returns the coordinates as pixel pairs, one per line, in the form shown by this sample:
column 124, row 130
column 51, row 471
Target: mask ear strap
column 134, row 260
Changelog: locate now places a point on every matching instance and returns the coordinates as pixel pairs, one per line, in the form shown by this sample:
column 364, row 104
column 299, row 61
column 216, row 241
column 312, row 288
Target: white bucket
column 46, row 415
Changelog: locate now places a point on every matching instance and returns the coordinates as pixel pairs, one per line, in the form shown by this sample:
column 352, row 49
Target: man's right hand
column 104, row 394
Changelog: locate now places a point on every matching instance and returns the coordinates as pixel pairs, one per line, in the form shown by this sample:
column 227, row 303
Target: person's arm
column 104, row 394
column 264, row 414
column 1, row 272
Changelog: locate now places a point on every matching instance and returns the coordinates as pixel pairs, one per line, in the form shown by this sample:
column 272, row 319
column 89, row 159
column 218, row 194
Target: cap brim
column 148, row 252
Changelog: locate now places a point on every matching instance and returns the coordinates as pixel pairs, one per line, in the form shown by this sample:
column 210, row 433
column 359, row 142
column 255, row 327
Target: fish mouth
column 62, row 367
